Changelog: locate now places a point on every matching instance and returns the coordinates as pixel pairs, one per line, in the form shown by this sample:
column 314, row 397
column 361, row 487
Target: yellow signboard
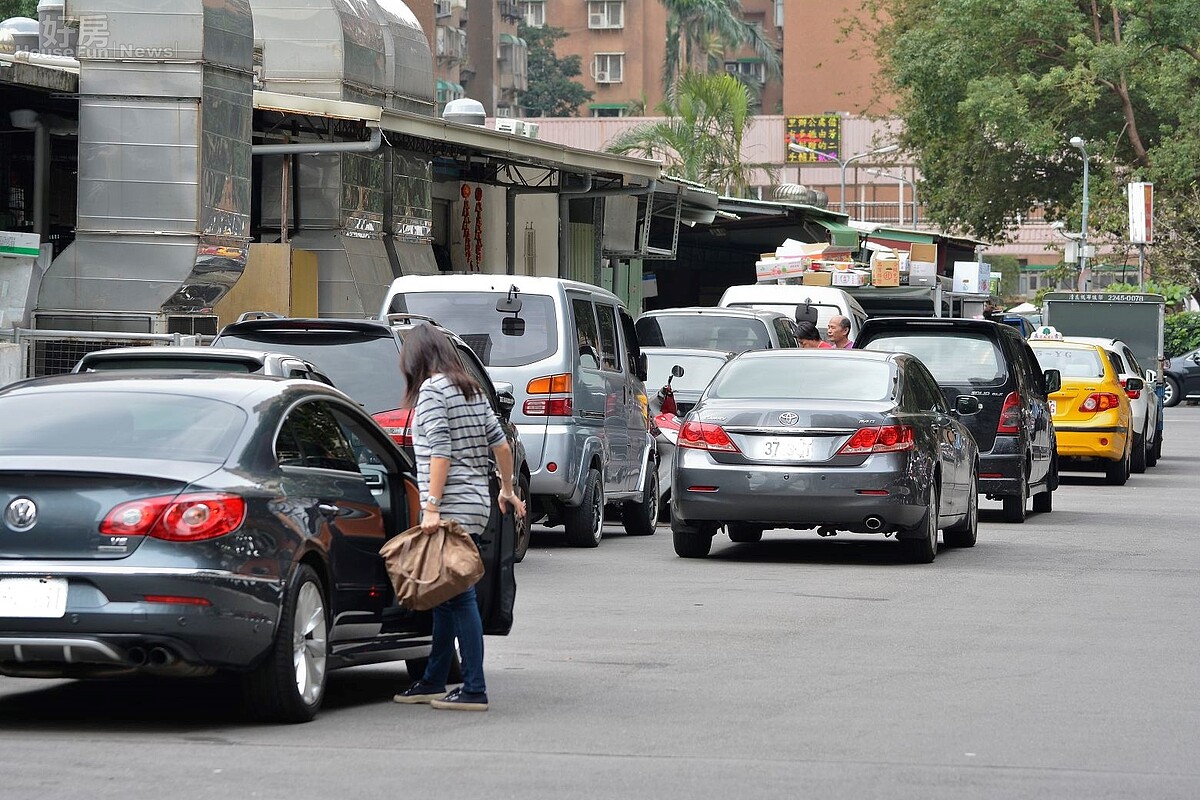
column 822, row 135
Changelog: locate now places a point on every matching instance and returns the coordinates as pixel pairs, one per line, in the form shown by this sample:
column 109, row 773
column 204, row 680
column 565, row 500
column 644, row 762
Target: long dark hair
column 427, row 351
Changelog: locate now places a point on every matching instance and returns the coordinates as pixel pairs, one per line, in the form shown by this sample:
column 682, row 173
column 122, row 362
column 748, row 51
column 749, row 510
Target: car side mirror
column 505, row 397
column 1134, row 384
column 643, row 367
column 1195, row 359
column 965, row 405
column 1053, row 380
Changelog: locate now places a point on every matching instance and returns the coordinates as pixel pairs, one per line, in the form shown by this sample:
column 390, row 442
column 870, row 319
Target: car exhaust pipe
column 161, row 657
column 136, row 656
column 873, row 523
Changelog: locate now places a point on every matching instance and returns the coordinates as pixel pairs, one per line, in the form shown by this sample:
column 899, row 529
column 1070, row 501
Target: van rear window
column 954, row 360
column 824, row 312
column 473, row 316
column 711, row 331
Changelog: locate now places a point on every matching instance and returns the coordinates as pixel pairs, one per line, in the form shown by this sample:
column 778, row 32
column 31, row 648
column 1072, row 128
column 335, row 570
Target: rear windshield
column 824, row 377
column 119, row 425
column 824, row 312
column 1071, row 362
column 363, row 366
column 708, row 331
column 473, row 316
column 159, row 362
column 697, row 370
column 957, row 359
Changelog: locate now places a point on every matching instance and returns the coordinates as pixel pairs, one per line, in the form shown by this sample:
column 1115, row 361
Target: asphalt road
column 1056, row 659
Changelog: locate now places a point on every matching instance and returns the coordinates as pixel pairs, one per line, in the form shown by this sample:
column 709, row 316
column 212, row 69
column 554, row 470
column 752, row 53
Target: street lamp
column 911, row 184
column 1084, row 277
column 799, row 148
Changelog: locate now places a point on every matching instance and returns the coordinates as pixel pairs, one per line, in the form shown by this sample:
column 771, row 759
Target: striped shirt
column 447, row 425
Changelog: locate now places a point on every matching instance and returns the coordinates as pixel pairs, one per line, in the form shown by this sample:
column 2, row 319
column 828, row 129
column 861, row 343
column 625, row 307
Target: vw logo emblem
column 21, row 514
column 788, row 418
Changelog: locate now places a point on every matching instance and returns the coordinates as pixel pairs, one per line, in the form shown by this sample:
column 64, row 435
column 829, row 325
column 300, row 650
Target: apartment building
column 620, row 45
column 478, row 54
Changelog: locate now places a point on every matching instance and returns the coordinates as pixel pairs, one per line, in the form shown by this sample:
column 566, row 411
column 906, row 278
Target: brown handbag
column 428, row 569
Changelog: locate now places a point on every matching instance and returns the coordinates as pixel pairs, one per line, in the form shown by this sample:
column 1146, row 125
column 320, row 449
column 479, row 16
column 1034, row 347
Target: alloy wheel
column 309, row 643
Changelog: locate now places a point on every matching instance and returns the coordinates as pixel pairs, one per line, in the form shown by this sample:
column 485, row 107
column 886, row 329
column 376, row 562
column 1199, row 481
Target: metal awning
column 454, row 136
column 840, row 233
column 315, row 106
column 899, row 235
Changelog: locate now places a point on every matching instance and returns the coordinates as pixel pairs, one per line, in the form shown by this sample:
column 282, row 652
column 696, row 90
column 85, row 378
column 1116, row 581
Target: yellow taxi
column 1092, row 417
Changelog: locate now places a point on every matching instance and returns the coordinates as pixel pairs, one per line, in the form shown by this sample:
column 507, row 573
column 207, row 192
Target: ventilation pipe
column 29, row 120
column 165, row 105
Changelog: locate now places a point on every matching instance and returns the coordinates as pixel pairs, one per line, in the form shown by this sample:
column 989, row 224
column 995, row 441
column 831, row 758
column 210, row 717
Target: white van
column 570, row 353
column 829, row 302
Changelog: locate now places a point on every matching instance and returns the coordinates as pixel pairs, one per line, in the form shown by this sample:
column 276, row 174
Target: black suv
column 990, row 361
column 362, row 358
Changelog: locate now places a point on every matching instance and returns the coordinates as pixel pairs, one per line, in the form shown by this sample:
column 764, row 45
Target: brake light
column 560, row 405
column 1099, row 401
column 1010, row 415
column 554, row 407
column 882, row 439
column 397, row 424
column 177, row 518
column 706, row 436
column 1133, row 394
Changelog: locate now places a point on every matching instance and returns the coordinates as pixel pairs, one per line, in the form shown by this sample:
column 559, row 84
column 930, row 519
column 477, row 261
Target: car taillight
column 177, row 518
column 1010, row 415
column 882, row 439
column 558, row 404
column 1133, row 394
column 397, row 424
column 706, row 436
column 1099, row 401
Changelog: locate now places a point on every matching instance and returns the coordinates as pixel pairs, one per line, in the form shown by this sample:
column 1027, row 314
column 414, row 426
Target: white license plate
column 33, row 597
column 791, row 448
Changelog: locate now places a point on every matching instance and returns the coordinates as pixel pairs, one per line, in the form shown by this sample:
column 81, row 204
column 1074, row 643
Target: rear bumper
column 1106, row 442
column 1002, row 470
column 109, row 627
column 795, row 496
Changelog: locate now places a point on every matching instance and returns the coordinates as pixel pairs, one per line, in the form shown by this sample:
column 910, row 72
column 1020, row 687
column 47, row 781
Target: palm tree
column 698, row 31
column 700, row 139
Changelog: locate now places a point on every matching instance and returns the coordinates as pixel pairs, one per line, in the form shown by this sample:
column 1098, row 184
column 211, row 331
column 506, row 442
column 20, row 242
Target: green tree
column 700, row 31
column 18, row 8
column 990, row 93
column 551, row 91
column 700, row 138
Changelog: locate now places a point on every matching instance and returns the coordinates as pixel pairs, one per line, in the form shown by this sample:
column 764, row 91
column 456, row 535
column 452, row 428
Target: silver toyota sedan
column 854, row 441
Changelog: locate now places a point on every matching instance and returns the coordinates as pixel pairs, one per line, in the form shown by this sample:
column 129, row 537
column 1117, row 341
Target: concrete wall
column 10, row 363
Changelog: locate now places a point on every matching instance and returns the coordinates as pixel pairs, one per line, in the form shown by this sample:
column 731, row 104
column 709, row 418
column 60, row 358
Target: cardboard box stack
column 812, row 263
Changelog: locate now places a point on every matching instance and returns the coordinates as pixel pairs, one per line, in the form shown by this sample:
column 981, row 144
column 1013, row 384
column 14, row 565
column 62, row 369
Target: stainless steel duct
column 357, row 50
column 165, row 104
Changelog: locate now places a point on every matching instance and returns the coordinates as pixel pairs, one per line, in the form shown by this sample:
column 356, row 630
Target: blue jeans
column 457, row 617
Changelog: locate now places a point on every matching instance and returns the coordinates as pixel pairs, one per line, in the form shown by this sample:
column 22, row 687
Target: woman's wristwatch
column 433, row 501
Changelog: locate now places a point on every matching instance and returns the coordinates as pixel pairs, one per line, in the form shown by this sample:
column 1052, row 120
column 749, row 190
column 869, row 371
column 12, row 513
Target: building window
column 535, row 13
column 608, row 67
column 606, row 14
column 609, row 110
column 747, row 70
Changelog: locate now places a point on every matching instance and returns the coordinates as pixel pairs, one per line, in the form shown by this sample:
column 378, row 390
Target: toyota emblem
column 21, row 514
column 788, row 418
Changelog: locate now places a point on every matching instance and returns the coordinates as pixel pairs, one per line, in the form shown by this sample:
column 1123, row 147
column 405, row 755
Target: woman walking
column 453, row 429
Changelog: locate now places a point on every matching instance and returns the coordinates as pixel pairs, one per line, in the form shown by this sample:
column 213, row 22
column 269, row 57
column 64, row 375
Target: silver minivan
column 570, row 353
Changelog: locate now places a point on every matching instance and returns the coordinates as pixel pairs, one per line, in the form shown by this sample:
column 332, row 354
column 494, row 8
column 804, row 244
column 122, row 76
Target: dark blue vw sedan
column 184, row 525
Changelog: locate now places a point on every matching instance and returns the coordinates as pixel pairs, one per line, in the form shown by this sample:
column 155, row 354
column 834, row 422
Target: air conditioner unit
column 514, row 126
column 441, row 8
column 597, row 21
column 531, row 130
column 602, row 76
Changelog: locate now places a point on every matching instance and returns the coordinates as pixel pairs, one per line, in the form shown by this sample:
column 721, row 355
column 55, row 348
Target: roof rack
column 246, row 316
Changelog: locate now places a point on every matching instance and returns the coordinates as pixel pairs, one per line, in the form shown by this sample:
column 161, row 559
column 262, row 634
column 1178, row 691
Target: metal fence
column 55, row 352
